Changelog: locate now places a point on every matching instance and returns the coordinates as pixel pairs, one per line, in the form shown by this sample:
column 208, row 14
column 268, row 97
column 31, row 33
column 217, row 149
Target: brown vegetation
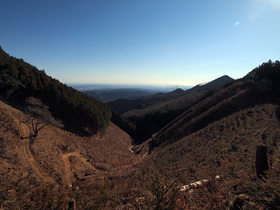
column 217, row 136
column 39, row 173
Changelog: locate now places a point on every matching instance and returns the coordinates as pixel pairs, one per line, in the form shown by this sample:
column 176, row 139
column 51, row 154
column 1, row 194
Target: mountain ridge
column 154, row 112
column 161, row 97
column 79, row 112
column 237, row 95
column 107, row 95
column 214, row 139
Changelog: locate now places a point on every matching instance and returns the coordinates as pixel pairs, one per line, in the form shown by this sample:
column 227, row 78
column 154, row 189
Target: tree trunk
column 72, row 205
column 261, row 161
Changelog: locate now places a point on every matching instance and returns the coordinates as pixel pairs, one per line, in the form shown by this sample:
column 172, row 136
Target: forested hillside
column 107, row 95
column 79, row 112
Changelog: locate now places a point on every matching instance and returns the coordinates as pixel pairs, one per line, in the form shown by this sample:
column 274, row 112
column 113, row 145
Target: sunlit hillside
column 220, row 150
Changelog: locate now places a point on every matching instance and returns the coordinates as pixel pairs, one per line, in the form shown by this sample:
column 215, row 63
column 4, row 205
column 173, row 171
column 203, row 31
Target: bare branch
column 40, row 116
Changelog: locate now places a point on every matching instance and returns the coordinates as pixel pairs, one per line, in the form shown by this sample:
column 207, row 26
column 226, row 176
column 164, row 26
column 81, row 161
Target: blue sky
column 166, row 42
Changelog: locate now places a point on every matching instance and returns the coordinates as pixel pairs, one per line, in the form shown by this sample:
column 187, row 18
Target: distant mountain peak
column 223, row 78
column 178, row 90
column 219, row 82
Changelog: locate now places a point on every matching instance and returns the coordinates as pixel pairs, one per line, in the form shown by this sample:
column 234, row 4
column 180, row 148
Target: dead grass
column 105, row 174
column 20, row 180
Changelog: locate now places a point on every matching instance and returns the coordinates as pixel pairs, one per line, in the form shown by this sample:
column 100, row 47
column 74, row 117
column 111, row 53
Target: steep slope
column 48, row 170
column 239, row 95
column 156, row 102
column 217, row 136
column 226, row 148
column 79, row 112
column 233, row 138
column 159, row 110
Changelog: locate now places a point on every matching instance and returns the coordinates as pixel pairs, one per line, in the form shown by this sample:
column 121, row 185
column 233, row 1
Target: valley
column 138, row 153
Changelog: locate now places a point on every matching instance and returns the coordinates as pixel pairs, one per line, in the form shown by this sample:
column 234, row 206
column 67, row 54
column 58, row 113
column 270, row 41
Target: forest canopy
column 80, row 113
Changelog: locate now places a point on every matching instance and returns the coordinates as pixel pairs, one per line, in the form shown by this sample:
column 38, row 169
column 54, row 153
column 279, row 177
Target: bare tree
column 163, row 193
column 39, row 116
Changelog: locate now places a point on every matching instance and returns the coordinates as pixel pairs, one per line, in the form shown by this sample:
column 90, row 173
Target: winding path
column 24, row 146
column 68, row 171
column 34, row 164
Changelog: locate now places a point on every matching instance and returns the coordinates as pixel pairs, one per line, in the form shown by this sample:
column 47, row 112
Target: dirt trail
column 24, row 130
column 68, row 171
column 34, row 164
column 130, row 149
column 25, row 133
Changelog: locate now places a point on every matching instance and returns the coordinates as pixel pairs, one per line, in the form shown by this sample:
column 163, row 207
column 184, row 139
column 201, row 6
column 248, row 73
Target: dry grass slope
column 39, row 172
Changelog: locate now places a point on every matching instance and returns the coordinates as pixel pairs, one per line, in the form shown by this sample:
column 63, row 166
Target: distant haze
column 105, row 87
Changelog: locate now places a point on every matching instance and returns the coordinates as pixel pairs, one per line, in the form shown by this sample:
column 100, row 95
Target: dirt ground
column 56, row 157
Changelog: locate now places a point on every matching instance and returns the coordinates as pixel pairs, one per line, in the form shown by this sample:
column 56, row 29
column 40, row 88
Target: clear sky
column 182, row 42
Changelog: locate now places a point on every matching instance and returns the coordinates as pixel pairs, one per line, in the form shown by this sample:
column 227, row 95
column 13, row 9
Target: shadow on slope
column 259, row 86
column 80, row 113
column 155, row 112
